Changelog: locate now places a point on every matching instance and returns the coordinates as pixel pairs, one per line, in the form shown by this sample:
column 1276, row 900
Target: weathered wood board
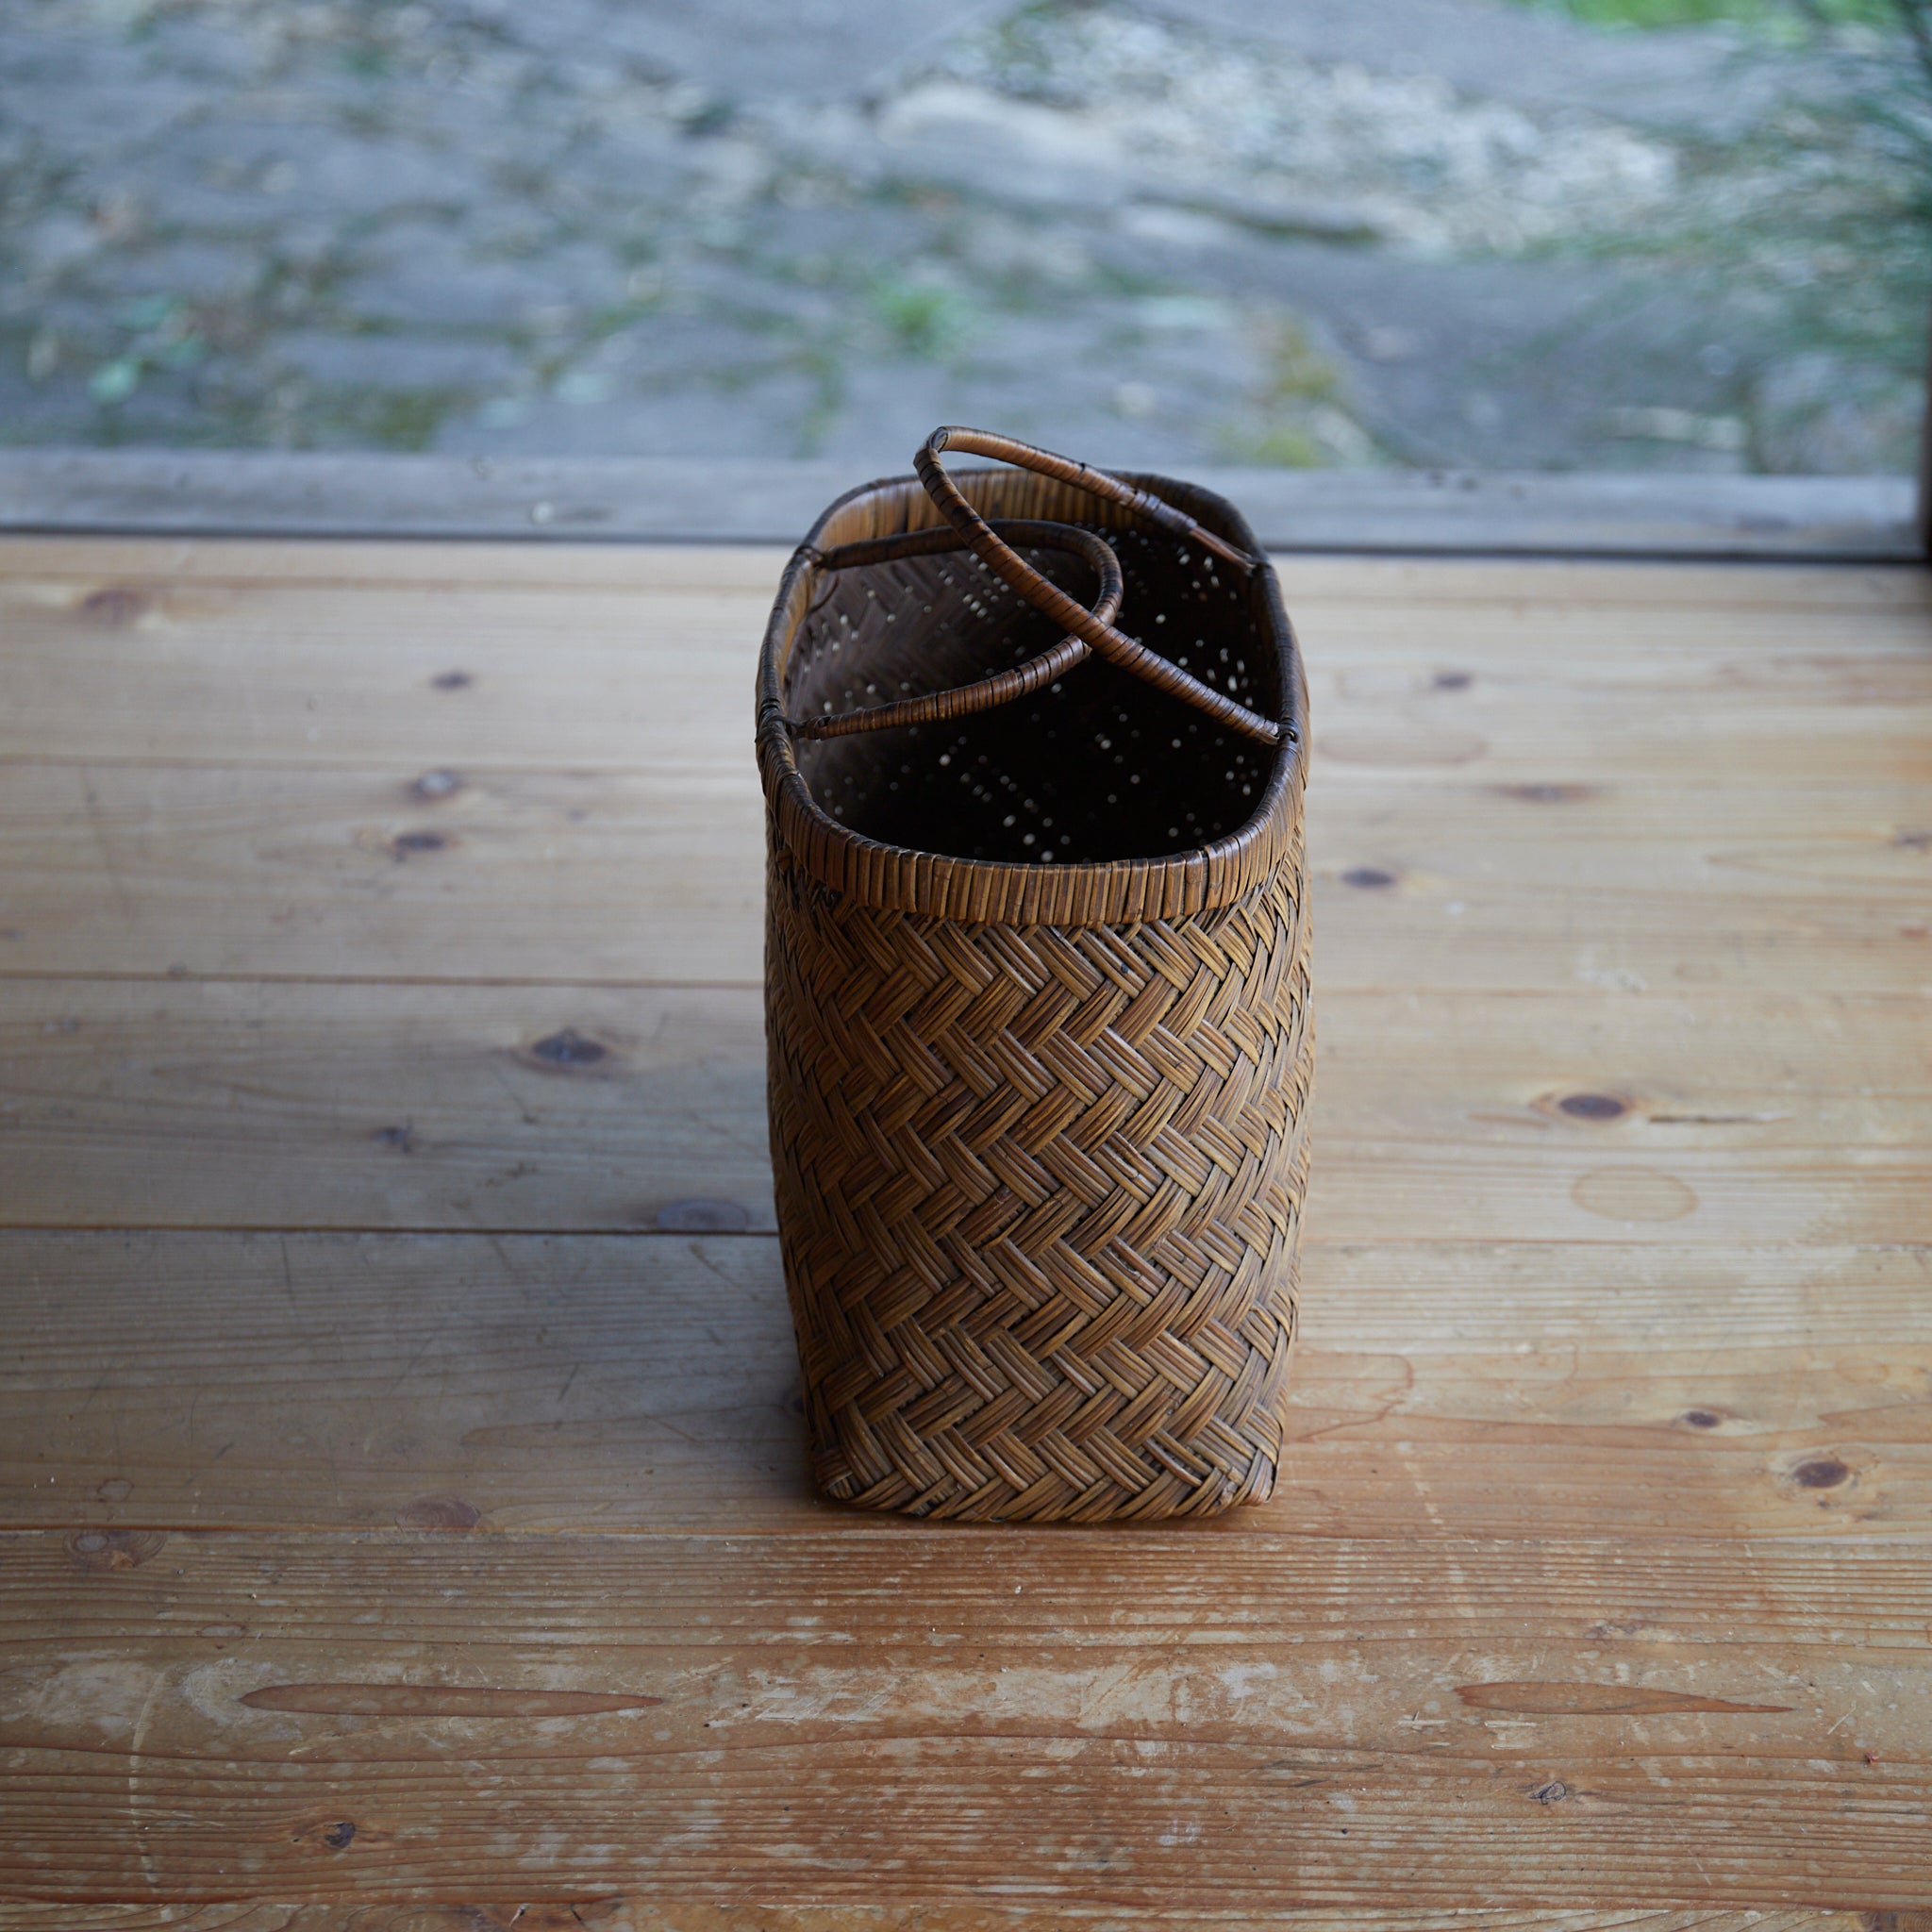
column 404, row 1524
column 637, row 1383
column 1489, row 1117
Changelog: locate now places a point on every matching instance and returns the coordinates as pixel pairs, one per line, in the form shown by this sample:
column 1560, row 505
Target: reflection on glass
column 1580, row 234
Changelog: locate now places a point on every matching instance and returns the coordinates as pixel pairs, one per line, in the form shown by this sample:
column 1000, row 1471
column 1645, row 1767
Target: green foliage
column 1280, row 446
column 1300, row 419
column 1779, row 19
column 114, row 382
column 1299, row 373
column 922, row 318
column 408, row 419
column 1819, row 223
column 161, row 334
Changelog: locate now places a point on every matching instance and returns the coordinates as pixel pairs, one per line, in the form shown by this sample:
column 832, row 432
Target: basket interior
column 1098, row 766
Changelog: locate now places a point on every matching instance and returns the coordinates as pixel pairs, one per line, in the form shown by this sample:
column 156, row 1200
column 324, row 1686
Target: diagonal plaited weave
column 1045, row 1188
column 1039, row 1129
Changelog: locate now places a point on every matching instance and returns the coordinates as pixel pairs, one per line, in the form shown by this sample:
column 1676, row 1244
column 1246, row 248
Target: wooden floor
column 404, row 1513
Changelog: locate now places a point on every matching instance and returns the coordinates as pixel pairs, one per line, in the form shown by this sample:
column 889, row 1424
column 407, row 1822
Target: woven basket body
column 1038, row 1014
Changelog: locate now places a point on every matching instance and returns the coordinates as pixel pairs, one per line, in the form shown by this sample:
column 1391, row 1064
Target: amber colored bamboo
column 1039, row 1131
column 1004, row 687
column 1001, row 559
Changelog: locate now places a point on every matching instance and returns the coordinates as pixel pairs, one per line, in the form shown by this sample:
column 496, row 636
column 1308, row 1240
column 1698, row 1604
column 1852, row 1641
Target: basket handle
column 999, row 557
column 1003, row 686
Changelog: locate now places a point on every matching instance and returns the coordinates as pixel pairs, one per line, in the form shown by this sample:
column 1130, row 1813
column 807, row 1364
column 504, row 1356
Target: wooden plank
column 469, row 681
column 381, row 1107
column 1580, row 1117
column 1501, row 585
column 627, row 877
column 490, row 696
column 681, row 499
column 260, row 873
column 1658, row 825
column 106, row 665
column 606, row 1914
column 927, row 1716
column 648, row 1384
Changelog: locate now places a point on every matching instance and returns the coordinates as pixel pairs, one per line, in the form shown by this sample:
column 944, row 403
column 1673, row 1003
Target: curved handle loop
column 1099, row 633
column 1003, row 686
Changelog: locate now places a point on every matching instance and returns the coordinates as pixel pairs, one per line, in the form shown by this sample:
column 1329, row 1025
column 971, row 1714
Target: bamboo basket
column 1037, row 990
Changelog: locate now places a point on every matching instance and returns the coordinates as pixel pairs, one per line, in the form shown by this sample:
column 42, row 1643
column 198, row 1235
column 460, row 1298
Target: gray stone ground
column 1435, row 232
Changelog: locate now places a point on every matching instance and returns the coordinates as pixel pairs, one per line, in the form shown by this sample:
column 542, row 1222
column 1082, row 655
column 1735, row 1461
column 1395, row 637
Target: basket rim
column 999, row 891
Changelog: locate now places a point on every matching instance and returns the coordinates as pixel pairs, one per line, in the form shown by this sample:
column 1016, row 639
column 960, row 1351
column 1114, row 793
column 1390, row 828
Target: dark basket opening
column 1098, row 766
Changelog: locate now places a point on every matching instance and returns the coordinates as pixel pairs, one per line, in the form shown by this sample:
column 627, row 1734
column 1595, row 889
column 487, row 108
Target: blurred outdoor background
column 1496, row 234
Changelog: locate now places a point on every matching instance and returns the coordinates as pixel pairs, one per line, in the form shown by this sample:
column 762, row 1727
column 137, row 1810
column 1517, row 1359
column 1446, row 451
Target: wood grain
column 343, row 1567
column 230, row 1103
column 648, row 1383
column 1500, row 584
column 607, row 1914
column 382, row 666
column 1489, row 1118
column 431, row 659
column 828, row 1708
column 258, row 872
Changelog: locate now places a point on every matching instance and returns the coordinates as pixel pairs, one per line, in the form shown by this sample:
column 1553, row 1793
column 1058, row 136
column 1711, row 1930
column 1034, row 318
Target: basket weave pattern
column 1037, row 992
column 1046, row 1189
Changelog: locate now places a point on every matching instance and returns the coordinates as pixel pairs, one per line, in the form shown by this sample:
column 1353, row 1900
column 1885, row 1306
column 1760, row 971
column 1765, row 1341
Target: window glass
column 1673, row 235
